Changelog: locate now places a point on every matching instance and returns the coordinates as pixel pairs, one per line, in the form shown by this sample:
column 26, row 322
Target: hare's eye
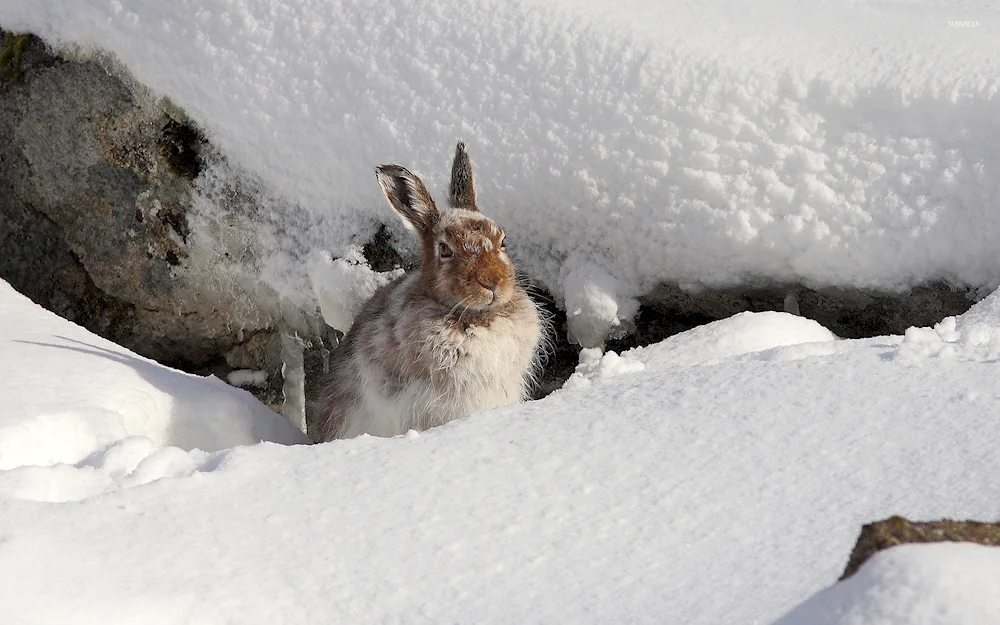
column 503, row 243
column 444, row 250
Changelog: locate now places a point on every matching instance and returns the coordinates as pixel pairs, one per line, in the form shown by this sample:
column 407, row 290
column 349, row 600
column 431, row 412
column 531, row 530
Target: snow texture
column 743, row 456
column 832, row 143
column 344, row 285
column 68, row 394
column 938, row 584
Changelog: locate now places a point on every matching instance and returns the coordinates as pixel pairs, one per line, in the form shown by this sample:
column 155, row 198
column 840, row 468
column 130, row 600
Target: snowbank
column 940, row 584
column 704, row 143
column 725, row 489
column 743, row 333
column 68, row 394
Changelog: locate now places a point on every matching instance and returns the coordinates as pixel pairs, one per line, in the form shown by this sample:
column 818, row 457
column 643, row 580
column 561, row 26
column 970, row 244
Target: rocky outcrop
column 96, row 179
column 896, row 530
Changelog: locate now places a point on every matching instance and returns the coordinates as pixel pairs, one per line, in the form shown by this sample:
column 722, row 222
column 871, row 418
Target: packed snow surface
column 720, row 476
column 704, row 143
column 938, row 584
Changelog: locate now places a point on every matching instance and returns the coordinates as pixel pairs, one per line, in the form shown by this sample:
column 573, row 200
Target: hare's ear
column 408, row 195
column 462, row 191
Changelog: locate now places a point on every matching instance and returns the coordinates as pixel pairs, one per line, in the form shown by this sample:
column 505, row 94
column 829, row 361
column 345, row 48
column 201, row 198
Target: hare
column 456, row 337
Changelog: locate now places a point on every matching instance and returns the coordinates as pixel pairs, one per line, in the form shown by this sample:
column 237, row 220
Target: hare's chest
column 495, row 357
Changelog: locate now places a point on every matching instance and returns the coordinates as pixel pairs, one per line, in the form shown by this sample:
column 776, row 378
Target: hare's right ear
column 408, row 196
column 462, row 190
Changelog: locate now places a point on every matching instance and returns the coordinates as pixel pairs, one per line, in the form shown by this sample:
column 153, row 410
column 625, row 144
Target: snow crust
column 936, row 584
column 68, row 394
column 721, row 476
column 704, row 143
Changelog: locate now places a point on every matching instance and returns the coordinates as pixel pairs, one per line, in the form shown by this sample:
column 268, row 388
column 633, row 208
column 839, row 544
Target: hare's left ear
column 462, row 190
column 408, row 195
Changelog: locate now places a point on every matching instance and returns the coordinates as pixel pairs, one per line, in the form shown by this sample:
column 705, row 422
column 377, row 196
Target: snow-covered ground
column 721, row 476
column 829, row 142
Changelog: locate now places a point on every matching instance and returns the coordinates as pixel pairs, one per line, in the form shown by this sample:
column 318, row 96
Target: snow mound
column 743, row 333
column 936, row 584
column 67, row 394
column 974, row 335
column 781, row 336
column 596, row 308
column 699, row 143
column 596, row 365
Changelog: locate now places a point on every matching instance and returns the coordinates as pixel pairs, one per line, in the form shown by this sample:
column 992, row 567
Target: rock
column 96, row 182
column 845, row 312
column 898, row 531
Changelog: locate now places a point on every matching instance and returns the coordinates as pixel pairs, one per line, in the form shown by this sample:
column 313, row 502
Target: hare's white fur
column 481, row 367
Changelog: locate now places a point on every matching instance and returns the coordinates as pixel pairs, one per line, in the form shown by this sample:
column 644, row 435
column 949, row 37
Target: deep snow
column 724, row 481
column 846, row 143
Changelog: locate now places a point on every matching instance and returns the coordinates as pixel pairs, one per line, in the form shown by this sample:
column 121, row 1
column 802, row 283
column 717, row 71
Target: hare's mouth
column 482, row 299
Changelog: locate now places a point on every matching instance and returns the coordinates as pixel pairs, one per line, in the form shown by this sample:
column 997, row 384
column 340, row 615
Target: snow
column 596, row 365
column 706, row 144
column 939, row 584
column 720, row 476
column 743, row 333
column 595, row 310
column 68, row 394
column 247, row 377
column 344, row 285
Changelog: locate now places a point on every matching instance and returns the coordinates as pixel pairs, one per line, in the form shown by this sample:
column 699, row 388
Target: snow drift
column 68, row 394
column 709, row 143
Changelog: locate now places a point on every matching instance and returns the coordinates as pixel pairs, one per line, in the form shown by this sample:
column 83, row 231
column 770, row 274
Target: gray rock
column 96, row 179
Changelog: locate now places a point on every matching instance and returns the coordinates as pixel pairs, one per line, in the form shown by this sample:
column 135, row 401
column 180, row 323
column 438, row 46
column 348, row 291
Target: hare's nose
column 489, row 285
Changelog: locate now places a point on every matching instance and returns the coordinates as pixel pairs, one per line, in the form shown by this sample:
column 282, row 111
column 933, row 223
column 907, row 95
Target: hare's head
column 464, row 262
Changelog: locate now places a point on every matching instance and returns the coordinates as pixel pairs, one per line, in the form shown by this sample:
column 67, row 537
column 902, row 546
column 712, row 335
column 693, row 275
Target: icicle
column 293, row 372
column 792, row 304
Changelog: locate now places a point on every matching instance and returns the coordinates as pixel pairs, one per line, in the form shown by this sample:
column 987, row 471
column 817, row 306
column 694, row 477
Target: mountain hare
column 459, row 336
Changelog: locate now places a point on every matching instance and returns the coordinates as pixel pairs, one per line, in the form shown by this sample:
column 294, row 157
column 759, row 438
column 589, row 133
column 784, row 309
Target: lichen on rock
column 11, row 53
column 897, row 530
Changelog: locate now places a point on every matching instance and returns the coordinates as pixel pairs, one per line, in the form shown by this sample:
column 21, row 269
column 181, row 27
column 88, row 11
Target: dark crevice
column 379, row 252
column 180, row 146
